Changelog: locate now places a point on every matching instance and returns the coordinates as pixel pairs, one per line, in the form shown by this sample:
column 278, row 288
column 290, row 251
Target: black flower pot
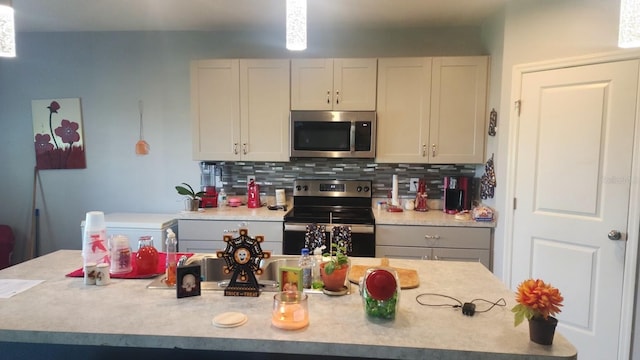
column 541, row 330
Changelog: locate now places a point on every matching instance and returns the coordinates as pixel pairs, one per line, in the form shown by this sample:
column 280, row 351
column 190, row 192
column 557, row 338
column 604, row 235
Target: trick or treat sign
column 57, row 134
column 242, row 257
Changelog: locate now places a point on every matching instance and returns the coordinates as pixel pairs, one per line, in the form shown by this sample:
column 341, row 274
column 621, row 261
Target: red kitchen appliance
column 421, row 196
column 253, row 195
column 457, row 194
column 210, row 197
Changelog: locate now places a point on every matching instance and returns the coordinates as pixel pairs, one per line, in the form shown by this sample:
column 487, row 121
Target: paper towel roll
column 394, row 191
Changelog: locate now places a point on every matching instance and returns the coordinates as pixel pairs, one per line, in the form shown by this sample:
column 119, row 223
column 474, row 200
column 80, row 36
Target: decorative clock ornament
column 242, row 257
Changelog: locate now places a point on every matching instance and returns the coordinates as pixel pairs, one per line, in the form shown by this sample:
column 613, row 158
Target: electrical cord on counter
column 468, row 308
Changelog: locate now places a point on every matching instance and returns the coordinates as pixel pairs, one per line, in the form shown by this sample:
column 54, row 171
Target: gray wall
column 110, row 72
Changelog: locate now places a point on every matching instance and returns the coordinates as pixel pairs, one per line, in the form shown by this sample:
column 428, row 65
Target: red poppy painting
column 57, row 134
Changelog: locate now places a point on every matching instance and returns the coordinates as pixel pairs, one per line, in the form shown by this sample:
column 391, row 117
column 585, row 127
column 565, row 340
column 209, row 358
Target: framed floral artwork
column 57, row 134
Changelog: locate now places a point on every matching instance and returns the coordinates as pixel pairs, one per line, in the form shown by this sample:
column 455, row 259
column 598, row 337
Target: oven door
column 363, row 239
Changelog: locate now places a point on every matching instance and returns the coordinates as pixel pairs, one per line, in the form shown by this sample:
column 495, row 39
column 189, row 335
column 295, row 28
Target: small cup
column 103, row 277
column 290, row 310
column 120, row 255
column 90, row 273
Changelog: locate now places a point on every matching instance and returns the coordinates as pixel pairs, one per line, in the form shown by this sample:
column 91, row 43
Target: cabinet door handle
column 433, row 150
column 337, row 97
column 430, row 237
column 424, row 150
column 244, row 148
column 328, row 96
column 235, row 148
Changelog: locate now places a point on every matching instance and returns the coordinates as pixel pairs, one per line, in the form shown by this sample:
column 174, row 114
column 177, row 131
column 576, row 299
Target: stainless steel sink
column 214, row 277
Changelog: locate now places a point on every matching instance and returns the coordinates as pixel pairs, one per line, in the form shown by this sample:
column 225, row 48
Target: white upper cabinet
column 404, row 92
column 432, row 110
column 240, row 109
column 333, row 84
column 458, row 109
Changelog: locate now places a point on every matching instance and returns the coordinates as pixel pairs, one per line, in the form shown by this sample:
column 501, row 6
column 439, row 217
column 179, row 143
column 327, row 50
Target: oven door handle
column 355, row 229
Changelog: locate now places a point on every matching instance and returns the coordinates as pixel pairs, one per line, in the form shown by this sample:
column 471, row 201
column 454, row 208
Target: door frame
column 629, row 289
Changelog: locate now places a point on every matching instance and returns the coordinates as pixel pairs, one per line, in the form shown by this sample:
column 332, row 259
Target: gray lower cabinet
column 206, row 236
column 435, row 243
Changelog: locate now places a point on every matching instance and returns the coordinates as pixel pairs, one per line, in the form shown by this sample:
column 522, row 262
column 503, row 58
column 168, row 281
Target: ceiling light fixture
column 629, row 28
column 296, row 24
column 7, row 30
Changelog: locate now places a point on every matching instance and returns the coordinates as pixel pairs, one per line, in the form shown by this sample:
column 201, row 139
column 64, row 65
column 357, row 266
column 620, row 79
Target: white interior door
column 572, row 187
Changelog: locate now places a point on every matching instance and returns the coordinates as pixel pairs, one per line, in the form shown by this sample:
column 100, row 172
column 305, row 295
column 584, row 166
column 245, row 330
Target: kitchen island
column 62, row 315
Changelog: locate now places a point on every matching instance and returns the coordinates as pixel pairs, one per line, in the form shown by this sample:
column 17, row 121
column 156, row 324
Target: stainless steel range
column 331, row 203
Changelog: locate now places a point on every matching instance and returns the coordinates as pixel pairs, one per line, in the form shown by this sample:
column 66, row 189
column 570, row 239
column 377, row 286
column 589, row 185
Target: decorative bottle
column 172, row 261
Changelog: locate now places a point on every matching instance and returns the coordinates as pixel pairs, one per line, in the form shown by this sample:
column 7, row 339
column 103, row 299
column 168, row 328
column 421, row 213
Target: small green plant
column 338, row 257
column 187, row 190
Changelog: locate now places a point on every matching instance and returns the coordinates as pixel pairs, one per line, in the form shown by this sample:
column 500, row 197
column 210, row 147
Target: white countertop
column 233, row 213
column 406, row 217
column 125, row 313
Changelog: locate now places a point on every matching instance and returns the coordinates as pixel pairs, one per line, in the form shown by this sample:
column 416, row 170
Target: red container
column 146, row 257
column 253, row 195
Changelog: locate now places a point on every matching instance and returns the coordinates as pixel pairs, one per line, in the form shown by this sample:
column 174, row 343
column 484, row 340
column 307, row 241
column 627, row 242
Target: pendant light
column 7, row 30
column 629, row 27
column 296, row 24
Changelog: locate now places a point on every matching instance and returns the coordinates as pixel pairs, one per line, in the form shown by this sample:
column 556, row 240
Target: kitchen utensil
column 142, row 147
column 408, row 277
column 421, row 196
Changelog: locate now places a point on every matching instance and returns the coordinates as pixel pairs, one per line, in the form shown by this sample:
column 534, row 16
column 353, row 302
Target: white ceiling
column 182, row 15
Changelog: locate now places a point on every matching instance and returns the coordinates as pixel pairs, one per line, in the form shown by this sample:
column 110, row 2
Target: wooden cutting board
column 408, row 277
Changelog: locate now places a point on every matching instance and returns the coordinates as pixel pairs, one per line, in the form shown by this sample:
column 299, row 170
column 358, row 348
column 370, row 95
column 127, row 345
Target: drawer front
column 200, row 246
column 403, row 252
column 433, row 236
column 441, row 254
column 474, row 255
column 215, row 229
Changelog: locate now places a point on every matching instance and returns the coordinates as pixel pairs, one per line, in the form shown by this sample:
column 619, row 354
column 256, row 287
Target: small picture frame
column 188, row 281
column 290, row 278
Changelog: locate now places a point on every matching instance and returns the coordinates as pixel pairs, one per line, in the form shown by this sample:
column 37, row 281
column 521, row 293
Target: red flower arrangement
column 536, row 299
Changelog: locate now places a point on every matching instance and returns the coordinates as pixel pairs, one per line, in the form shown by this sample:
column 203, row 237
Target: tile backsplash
column 272, row 175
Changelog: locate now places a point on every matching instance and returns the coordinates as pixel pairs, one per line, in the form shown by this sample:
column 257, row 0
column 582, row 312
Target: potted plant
column 334, row 271
column 538, row 302
column 193, row 198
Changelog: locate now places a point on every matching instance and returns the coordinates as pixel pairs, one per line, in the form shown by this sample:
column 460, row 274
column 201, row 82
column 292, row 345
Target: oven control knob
column 366, row 189
column 359, row 189
column 298, row 187
column 306, row 188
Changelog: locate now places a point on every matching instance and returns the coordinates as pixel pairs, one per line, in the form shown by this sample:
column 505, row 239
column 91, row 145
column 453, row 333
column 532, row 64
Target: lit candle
column 290, row 311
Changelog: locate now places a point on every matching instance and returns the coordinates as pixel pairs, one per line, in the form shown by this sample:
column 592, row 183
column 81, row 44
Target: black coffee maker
column 457, row 194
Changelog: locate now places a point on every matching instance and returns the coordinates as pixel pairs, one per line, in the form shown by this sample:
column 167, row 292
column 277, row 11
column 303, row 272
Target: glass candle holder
column 290, row 310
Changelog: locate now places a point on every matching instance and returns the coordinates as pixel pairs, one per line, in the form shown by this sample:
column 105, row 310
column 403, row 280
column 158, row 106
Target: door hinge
column 517, row 105
column 515, row 202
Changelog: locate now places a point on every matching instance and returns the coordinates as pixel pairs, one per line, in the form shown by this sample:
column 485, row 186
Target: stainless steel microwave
column 333, row 134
